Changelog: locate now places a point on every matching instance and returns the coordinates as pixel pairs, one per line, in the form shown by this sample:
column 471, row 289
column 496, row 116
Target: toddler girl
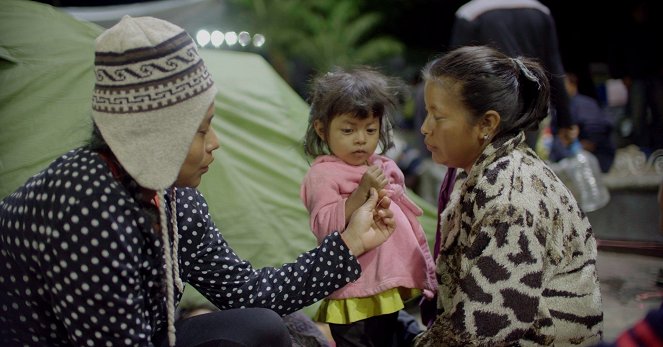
column 349, row 117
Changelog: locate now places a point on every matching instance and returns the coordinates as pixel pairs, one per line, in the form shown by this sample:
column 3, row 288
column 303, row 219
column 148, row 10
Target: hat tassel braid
column 171, row 260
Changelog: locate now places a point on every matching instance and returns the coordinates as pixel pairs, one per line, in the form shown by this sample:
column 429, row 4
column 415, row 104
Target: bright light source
column 231, row 38
column 203, row 37
column 216, row 38
column 258, row 40
column 244, row 38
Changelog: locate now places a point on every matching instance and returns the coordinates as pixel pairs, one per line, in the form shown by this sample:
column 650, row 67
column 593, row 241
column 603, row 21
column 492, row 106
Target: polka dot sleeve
column 210, row 265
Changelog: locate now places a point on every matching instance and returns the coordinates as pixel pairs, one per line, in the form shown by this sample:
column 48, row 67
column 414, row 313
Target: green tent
column 46, row 82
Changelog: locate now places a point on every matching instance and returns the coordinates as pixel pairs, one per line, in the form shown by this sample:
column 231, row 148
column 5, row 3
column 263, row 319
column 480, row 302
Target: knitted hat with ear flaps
column 151, row 94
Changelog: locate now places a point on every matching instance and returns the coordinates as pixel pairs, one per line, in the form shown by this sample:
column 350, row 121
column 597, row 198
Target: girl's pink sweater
column 404, row 260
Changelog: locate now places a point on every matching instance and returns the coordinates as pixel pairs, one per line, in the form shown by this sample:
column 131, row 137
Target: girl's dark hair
column 516, row 88
column 360, row 91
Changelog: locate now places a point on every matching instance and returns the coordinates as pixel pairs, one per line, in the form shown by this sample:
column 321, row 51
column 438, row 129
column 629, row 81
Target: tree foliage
column 319, row 33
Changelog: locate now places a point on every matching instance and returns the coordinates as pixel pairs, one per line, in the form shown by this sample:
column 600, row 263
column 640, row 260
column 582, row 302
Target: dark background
column 590, row 32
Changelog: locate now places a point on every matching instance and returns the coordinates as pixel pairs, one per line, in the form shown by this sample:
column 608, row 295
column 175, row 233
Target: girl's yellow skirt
column 346, row 311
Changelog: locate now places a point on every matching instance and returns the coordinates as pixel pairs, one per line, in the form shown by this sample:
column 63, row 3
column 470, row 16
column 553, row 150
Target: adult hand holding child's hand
column 370, row 225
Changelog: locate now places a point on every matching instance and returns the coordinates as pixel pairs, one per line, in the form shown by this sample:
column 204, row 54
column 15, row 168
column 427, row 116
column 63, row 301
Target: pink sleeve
column 411, row 211
column 325, row 203
column 397, row 186
column 392, row 171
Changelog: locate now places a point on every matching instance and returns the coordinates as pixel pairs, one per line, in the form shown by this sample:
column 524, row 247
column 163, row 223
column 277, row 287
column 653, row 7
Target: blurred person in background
column 594, row 125
column 639, row 63
column 519, row 28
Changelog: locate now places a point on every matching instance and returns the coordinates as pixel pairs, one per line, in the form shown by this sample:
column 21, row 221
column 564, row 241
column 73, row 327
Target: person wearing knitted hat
column 95, row 248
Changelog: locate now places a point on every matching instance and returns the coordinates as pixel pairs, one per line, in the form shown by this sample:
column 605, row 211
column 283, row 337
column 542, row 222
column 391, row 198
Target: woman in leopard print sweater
column 517, row 265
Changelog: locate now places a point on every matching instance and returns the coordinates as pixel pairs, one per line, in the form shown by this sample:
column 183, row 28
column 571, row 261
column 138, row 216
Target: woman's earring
column 485, row 136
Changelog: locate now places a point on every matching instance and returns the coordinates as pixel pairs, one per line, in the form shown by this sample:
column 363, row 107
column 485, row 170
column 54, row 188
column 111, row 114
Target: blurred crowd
column 604, row 126
column 620, row 105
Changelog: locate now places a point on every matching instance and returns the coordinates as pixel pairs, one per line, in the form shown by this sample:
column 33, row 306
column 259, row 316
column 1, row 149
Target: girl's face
column 448, row 133
column 351, row 139
column 200, row 153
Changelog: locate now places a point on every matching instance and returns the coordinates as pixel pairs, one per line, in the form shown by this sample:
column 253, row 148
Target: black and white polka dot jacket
column 81, row 264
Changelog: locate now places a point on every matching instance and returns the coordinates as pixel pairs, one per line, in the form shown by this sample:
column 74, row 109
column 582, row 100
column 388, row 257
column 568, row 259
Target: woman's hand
column 370, row 225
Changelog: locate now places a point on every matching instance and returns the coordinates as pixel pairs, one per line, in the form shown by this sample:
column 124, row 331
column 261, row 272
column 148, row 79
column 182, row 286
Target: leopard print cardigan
column 518, row 259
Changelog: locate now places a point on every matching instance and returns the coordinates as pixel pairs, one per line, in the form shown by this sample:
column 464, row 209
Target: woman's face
column 448, row 133
column 351, row 139
column 200, row 153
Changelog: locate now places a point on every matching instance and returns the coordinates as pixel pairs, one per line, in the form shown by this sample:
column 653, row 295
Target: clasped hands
column 371, row 224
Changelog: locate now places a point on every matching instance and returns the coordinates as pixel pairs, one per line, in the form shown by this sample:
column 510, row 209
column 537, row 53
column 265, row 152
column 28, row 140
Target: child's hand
column 373, row 178
column 370, row 225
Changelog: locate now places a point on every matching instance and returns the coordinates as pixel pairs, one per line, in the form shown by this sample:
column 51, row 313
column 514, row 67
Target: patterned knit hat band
column 152, row 92
column 149, row 78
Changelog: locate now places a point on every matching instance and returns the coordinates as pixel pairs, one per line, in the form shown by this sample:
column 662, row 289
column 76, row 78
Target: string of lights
column 218, row 38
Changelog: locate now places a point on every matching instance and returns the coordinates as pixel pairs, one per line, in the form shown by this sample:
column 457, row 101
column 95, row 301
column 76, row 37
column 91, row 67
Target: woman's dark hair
column 361, row 91
column 96, row 142
column 516, row 88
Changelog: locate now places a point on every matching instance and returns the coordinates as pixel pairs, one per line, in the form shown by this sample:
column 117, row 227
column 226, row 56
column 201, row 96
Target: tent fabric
column 252, row 188
column 46, row 82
